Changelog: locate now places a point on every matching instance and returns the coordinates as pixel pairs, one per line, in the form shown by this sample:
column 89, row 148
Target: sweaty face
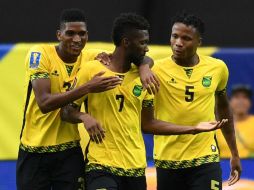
column 240, row 103
column 73, row 37
column 184, row 41
column 138, row 46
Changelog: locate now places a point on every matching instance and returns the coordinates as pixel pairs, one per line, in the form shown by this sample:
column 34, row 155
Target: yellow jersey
column 46, row 132
column 122, row 152
column 187, row 97
column 244, row 139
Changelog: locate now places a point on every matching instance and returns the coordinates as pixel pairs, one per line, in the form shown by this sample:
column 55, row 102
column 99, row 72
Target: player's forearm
column 229, row 133
column 223, row 111
column 158, row 127
column 71, row 115
column 146, row 63
column 54, row 101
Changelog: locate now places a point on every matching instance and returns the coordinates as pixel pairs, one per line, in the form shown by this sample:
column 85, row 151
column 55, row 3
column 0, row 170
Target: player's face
column 138, row 46
column 184, row 41
column 240, row 103
column 73, row 37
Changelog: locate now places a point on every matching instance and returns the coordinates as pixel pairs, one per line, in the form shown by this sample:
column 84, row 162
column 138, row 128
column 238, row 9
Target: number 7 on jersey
column 121, row 99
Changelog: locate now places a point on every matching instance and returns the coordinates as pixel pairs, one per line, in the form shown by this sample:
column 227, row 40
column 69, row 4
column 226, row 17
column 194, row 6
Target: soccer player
column 118, row 163
column 192, row 89
column 50, row 156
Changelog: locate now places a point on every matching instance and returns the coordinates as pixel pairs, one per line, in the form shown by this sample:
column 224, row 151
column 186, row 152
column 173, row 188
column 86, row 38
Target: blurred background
column 229, row 36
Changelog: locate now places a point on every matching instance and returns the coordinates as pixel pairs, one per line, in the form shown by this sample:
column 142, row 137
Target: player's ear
column 200, row 41
column 125, row 42
column 58, row 34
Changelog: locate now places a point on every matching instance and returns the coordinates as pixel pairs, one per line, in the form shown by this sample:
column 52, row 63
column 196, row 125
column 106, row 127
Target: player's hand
column 236, row 170
column 100, row 84
column 94, row 129
column 104, row 58
column 209, row 126
column 148, row 79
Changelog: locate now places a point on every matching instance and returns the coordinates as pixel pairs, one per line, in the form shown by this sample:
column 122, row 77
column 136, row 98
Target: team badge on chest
column 137, row 90
column 207, row 80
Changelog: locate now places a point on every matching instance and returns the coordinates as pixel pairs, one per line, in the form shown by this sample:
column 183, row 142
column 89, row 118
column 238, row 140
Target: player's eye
column 187, row 38
column 143, row 42
column 173, row 36
column 70, row 33
column 82, row 34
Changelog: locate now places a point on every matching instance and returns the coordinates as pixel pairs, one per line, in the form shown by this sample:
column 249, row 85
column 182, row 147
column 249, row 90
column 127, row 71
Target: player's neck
column 119, row 63
column 187, row 62
column 64, row 56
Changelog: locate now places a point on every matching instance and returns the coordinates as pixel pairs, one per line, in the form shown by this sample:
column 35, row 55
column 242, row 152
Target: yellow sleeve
column 224, row 78
column 157, row 64
column 148, row 100
column 154, row 68
column 37, row 65
column 83, row 76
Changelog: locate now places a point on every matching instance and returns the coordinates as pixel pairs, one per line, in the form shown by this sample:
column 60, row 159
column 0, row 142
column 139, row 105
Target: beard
column 137, row 60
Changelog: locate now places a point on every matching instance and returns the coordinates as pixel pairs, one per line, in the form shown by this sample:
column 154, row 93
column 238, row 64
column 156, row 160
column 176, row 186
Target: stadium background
column 229, row 24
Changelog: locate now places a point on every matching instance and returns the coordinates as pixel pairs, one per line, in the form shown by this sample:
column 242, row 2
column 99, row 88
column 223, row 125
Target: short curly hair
column 72, row 15
column 126, row 22
column 190, row 20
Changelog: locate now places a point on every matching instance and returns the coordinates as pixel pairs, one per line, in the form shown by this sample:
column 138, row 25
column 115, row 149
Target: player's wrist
column 86, row 89
column 235, row 155
column 189, row 130
column 193, row 130
column 82, row 117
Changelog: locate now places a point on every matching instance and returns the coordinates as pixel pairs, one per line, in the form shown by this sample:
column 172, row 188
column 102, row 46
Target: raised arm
column 48, row 102
column 223, row 111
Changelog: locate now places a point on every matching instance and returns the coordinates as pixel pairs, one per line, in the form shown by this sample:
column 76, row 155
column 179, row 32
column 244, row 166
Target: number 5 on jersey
column 215, row 185
column 189, row 94
column 121, row 99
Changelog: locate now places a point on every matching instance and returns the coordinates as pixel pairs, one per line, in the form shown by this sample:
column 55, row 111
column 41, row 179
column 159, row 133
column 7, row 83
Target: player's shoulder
column 251, row 117
column 42, row 48
column 92, row 65
column 92, row 51
column 212, row 60
column 214, row 63
column 161, row 62
column 39, row 53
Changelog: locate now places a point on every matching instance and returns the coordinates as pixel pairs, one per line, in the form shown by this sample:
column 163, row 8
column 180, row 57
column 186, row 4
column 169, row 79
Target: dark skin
column 72, row 38
column 148, row 78
column 184, row 43
column 223, row 111
column 132, row 49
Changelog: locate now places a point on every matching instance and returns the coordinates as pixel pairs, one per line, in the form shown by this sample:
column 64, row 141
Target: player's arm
column 148, row 78
column 71, row 113
column 48, row 102
column 151, row 125
column 223, row 111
